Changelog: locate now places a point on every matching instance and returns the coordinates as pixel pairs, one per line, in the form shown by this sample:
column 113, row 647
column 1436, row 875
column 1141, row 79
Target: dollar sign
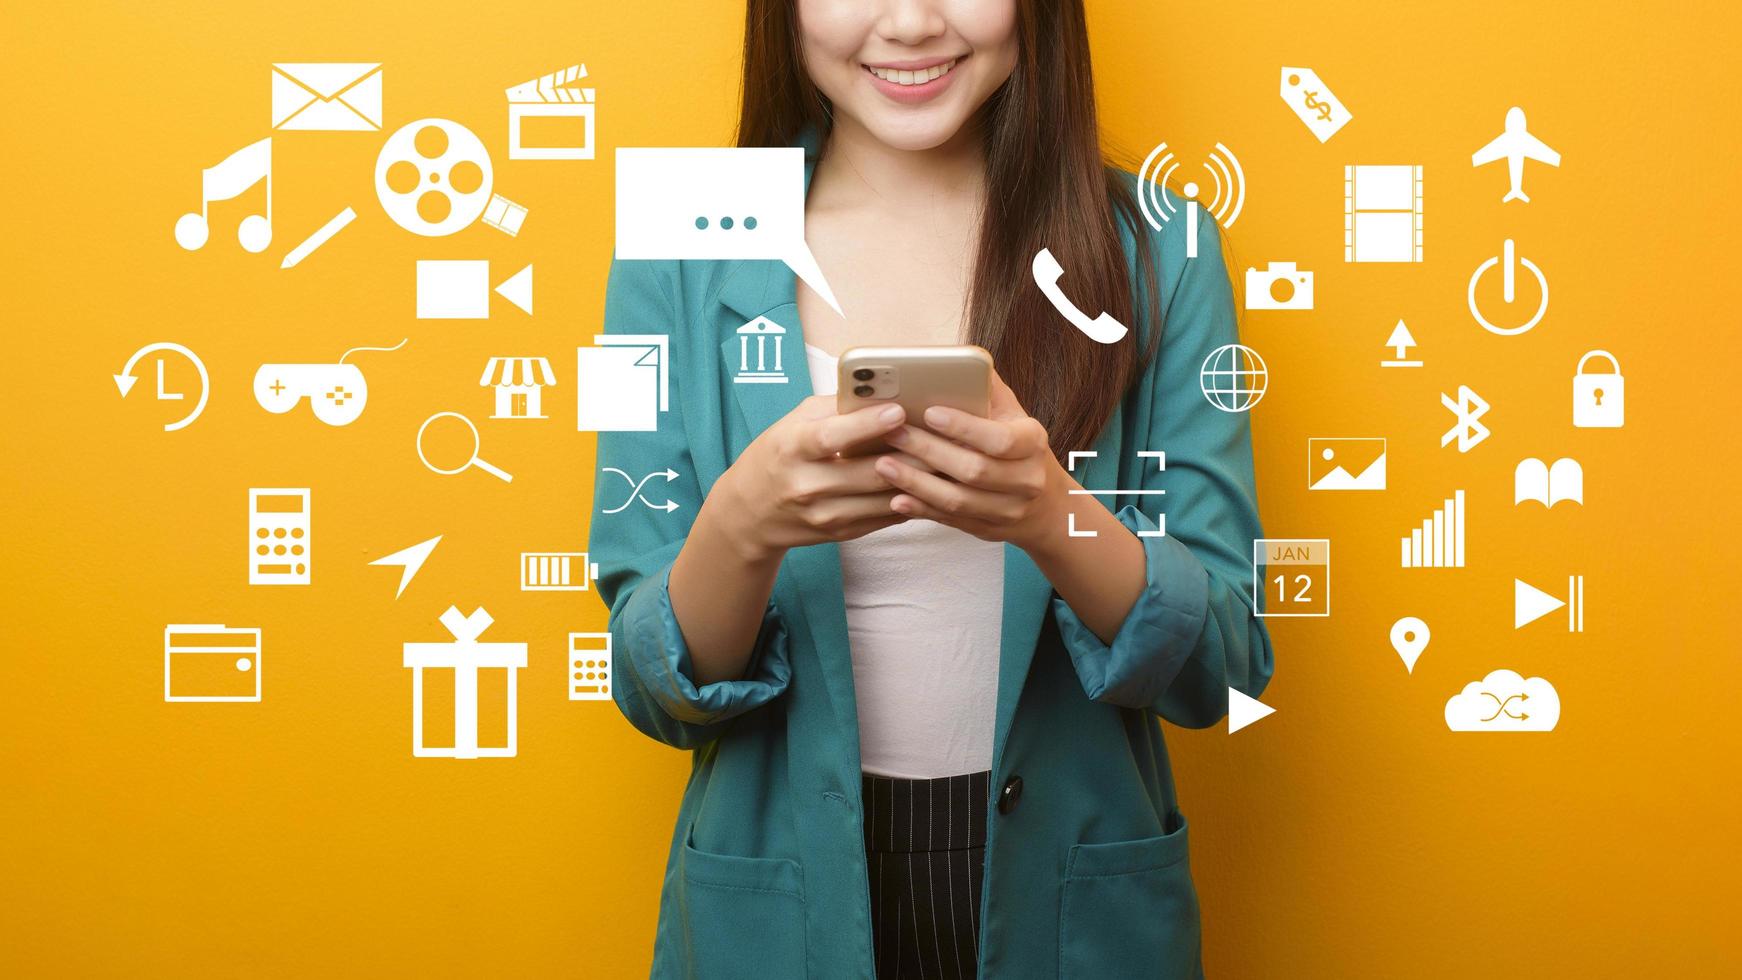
column 1323, row 107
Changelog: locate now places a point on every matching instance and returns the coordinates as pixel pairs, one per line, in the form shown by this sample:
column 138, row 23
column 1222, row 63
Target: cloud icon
column 1504, row 702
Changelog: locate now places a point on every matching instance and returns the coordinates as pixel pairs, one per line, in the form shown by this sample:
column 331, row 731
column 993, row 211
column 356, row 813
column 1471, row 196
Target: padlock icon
column 1599, row 400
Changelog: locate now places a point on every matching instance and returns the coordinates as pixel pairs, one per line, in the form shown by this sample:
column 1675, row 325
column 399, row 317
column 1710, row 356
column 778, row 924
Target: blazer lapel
column 1028, row 594
column 810, row 579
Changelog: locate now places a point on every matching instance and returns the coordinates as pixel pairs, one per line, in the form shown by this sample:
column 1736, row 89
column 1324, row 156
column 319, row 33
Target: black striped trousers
column 925, row 845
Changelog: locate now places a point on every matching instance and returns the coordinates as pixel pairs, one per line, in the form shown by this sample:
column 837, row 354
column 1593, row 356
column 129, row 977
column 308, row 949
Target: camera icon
column 1279, row 287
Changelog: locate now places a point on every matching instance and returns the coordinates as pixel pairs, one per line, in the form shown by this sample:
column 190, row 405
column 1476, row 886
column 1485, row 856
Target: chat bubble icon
column 716, row 203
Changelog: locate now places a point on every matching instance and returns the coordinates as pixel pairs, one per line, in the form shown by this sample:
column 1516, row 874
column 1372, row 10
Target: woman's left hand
column 1003, row 482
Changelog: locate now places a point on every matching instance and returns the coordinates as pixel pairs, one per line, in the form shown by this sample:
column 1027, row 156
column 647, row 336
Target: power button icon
column 1509, row 260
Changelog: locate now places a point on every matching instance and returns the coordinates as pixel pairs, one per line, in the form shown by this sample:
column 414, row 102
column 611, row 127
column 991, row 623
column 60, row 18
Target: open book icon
column 1548, row 485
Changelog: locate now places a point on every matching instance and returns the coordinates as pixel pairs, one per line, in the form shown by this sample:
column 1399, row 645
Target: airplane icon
column 1516, row 145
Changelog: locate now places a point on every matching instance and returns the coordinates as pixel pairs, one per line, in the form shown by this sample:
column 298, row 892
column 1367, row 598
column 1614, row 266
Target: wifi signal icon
column 1225, row 204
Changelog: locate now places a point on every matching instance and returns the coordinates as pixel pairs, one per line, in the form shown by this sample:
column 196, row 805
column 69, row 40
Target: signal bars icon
column 1224, row 206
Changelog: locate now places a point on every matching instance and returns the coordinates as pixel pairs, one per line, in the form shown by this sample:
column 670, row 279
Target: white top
column 925, row 604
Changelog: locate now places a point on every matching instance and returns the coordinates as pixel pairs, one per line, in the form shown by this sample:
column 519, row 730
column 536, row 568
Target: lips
column 915, row 81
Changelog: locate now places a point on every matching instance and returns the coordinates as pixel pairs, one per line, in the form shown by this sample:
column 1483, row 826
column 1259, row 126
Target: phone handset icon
column 1103, row 329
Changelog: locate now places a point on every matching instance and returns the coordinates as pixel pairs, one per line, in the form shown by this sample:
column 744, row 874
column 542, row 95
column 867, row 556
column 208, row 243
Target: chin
column 913, row 128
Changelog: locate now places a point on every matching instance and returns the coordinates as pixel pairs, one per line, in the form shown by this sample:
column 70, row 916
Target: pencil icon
column 319, row 238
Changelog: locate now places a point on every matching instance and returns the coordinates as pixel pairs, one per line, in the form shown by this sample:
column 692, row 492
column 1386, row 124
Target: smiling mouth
column 916, row 77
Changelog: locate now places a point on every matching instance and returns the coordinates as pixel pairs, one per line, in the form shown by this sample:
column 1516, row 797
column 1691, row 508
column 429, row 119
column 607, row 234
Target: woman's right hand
column 790, row 488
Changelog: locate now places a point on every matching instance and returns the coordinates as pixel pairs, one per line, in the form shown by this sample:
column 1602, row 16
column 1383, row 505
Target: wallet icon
column 344, row 96
column 1345, row 464
column 211, row 663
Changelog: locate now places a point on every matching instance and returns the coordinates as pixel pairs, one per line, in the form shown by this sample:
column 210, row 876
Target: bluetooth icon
column 1467, row 430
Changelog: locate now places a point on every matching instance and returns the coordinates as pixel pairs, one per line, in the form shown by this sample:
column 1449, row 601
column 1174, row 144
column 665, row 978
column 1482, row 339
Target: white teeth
column 919, row 77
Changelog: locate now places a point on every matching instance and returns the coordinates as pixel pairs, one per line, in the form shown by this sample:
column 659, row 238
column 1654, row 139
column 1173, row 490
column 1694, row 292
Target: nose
column 910, row 21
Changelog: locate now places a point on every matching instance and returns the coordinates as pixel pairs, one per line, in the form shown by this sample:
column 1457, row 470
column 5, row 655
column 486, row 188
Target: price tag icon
column 1312, row 102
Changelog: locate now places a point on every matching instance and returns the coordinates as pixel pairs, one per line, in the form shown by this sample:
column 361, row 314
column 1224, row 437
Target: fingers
column 824, row 437
column 957, row 502
column 969, row 465
column 1014, row 438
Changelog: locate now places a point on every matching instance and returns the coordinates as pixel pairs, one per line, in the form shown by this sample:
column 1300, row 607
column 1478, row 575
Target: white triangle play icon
column 518, row 289
column 1530, row 603
column 1243, row 710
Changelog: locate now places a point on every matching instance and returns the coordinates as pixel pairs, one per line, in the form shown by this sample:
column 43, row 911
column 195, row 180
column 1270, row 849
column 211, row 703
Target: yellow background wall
column 1351, row 835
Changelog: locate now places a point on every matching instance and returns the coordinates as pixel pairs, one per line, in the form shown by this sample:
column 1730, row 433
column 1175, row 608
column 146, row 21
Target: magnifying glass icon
column 471, row 460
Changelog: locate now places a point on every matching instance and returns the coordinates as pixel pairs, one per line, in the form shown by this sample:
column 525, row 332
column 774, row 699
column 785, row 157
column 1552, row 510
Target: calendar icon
column 1294, row 576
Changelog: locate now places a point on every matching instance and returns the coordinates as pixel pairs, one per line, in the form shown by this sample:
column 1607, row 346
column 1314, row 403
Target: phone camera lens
column 862, row 374
column 864, row 391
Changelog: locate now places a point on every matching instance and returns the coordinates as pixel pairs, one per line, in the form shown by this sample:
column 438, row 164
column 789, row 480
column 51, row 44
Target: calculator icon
column 278, row 537
column 589, row 666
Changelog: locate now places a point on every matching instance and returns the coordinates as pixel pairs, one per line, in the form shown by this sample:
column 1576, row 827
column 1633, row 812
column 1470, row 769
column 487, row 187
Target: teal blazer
column 1087, row 872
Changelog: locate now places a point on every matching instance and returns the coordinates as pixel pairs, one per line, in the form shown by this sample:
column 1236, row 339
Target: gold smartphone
column 916, row 378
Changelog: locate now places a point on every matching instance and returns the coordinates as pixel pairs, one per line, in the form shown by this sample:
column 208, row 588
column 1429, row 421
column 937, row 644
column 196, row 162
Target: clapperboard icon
column 549, row 96
column 556, row 571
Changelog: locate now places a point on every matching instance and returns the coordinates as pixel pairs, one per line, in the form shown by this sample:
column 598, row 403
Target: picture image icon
column 280, row 537
column 1515, row 145
column 207, row 662
column 459, row 663
column 1504, row 701
column 716, row 203
column 1382, row 213
column 1233, row 378
column 341, row 96
column 1227, row 178
column 1346, row 464
column 1296, row 576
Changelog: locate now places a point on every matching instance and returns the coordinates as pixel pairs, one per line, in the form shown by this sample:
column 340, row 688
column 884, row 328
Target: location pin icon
column 1409, row 637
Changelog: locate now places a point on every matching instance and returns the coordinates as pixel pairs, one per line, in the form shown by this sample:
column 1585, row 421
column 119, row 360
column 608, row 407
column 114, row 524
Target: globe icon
column 1234, row 378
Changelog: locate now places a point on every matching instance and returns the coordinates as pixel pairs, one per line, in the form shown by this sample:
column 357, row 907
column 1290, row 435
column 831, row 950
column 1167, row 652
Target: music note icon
column 235, row 174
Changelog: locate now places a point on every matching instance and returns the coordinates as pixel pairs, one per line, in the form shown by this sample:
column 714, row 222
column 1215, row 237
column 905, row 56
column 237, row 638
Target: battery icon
column 556, row 571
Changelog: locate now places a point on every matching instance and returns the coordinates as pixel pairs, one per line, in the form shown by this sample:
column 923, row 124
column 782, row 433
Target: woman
column 922, row 712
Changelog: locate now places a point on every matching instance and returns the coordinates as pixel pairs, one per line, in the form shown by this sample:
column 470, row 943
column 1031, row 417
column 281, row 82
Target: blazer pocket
column 743, row 917
column 1128, row 909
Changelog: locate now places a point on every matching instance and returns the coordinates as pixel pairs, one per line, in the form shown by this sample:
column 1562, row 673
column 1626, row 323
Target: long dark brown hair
column 1047, row 185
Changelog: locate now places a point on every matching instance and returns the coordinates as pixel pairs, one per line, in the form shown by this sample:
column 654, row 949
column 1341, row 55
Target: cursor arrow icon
column 411, row 559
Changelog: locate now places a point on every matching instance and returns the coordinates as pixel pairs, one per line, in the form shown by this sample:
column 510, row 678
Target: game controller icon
column 337, row 392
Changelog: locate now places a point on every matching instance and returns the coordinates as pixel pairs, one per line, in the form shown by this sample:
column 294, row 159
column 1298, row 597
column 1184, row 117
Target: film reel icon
column 433, row 177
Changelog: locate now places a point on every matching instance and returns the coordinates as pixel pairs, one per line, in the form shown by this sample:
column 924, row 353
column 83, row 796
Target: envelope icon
column 1345, row 464
column 326, row 96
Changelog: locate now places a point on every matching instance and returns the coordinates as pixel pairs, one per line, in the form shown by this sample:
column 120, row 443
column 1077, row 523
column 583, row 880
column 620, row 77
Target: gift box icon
column 481, row 680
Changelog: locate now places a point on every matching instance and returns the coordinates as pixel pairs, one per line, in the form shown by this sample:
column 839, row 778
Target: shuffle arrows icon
column 635, row 492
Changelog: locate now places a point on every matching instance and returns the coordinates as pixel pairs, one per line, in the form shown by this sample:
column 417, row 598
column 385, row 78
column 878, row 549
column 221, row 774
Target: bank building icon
column 764, row 367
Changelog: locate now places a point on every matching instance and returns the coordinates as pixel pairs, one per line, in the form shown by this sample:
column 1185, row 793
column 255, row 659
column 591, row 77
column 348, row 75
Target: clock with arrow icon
column 125, row 380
